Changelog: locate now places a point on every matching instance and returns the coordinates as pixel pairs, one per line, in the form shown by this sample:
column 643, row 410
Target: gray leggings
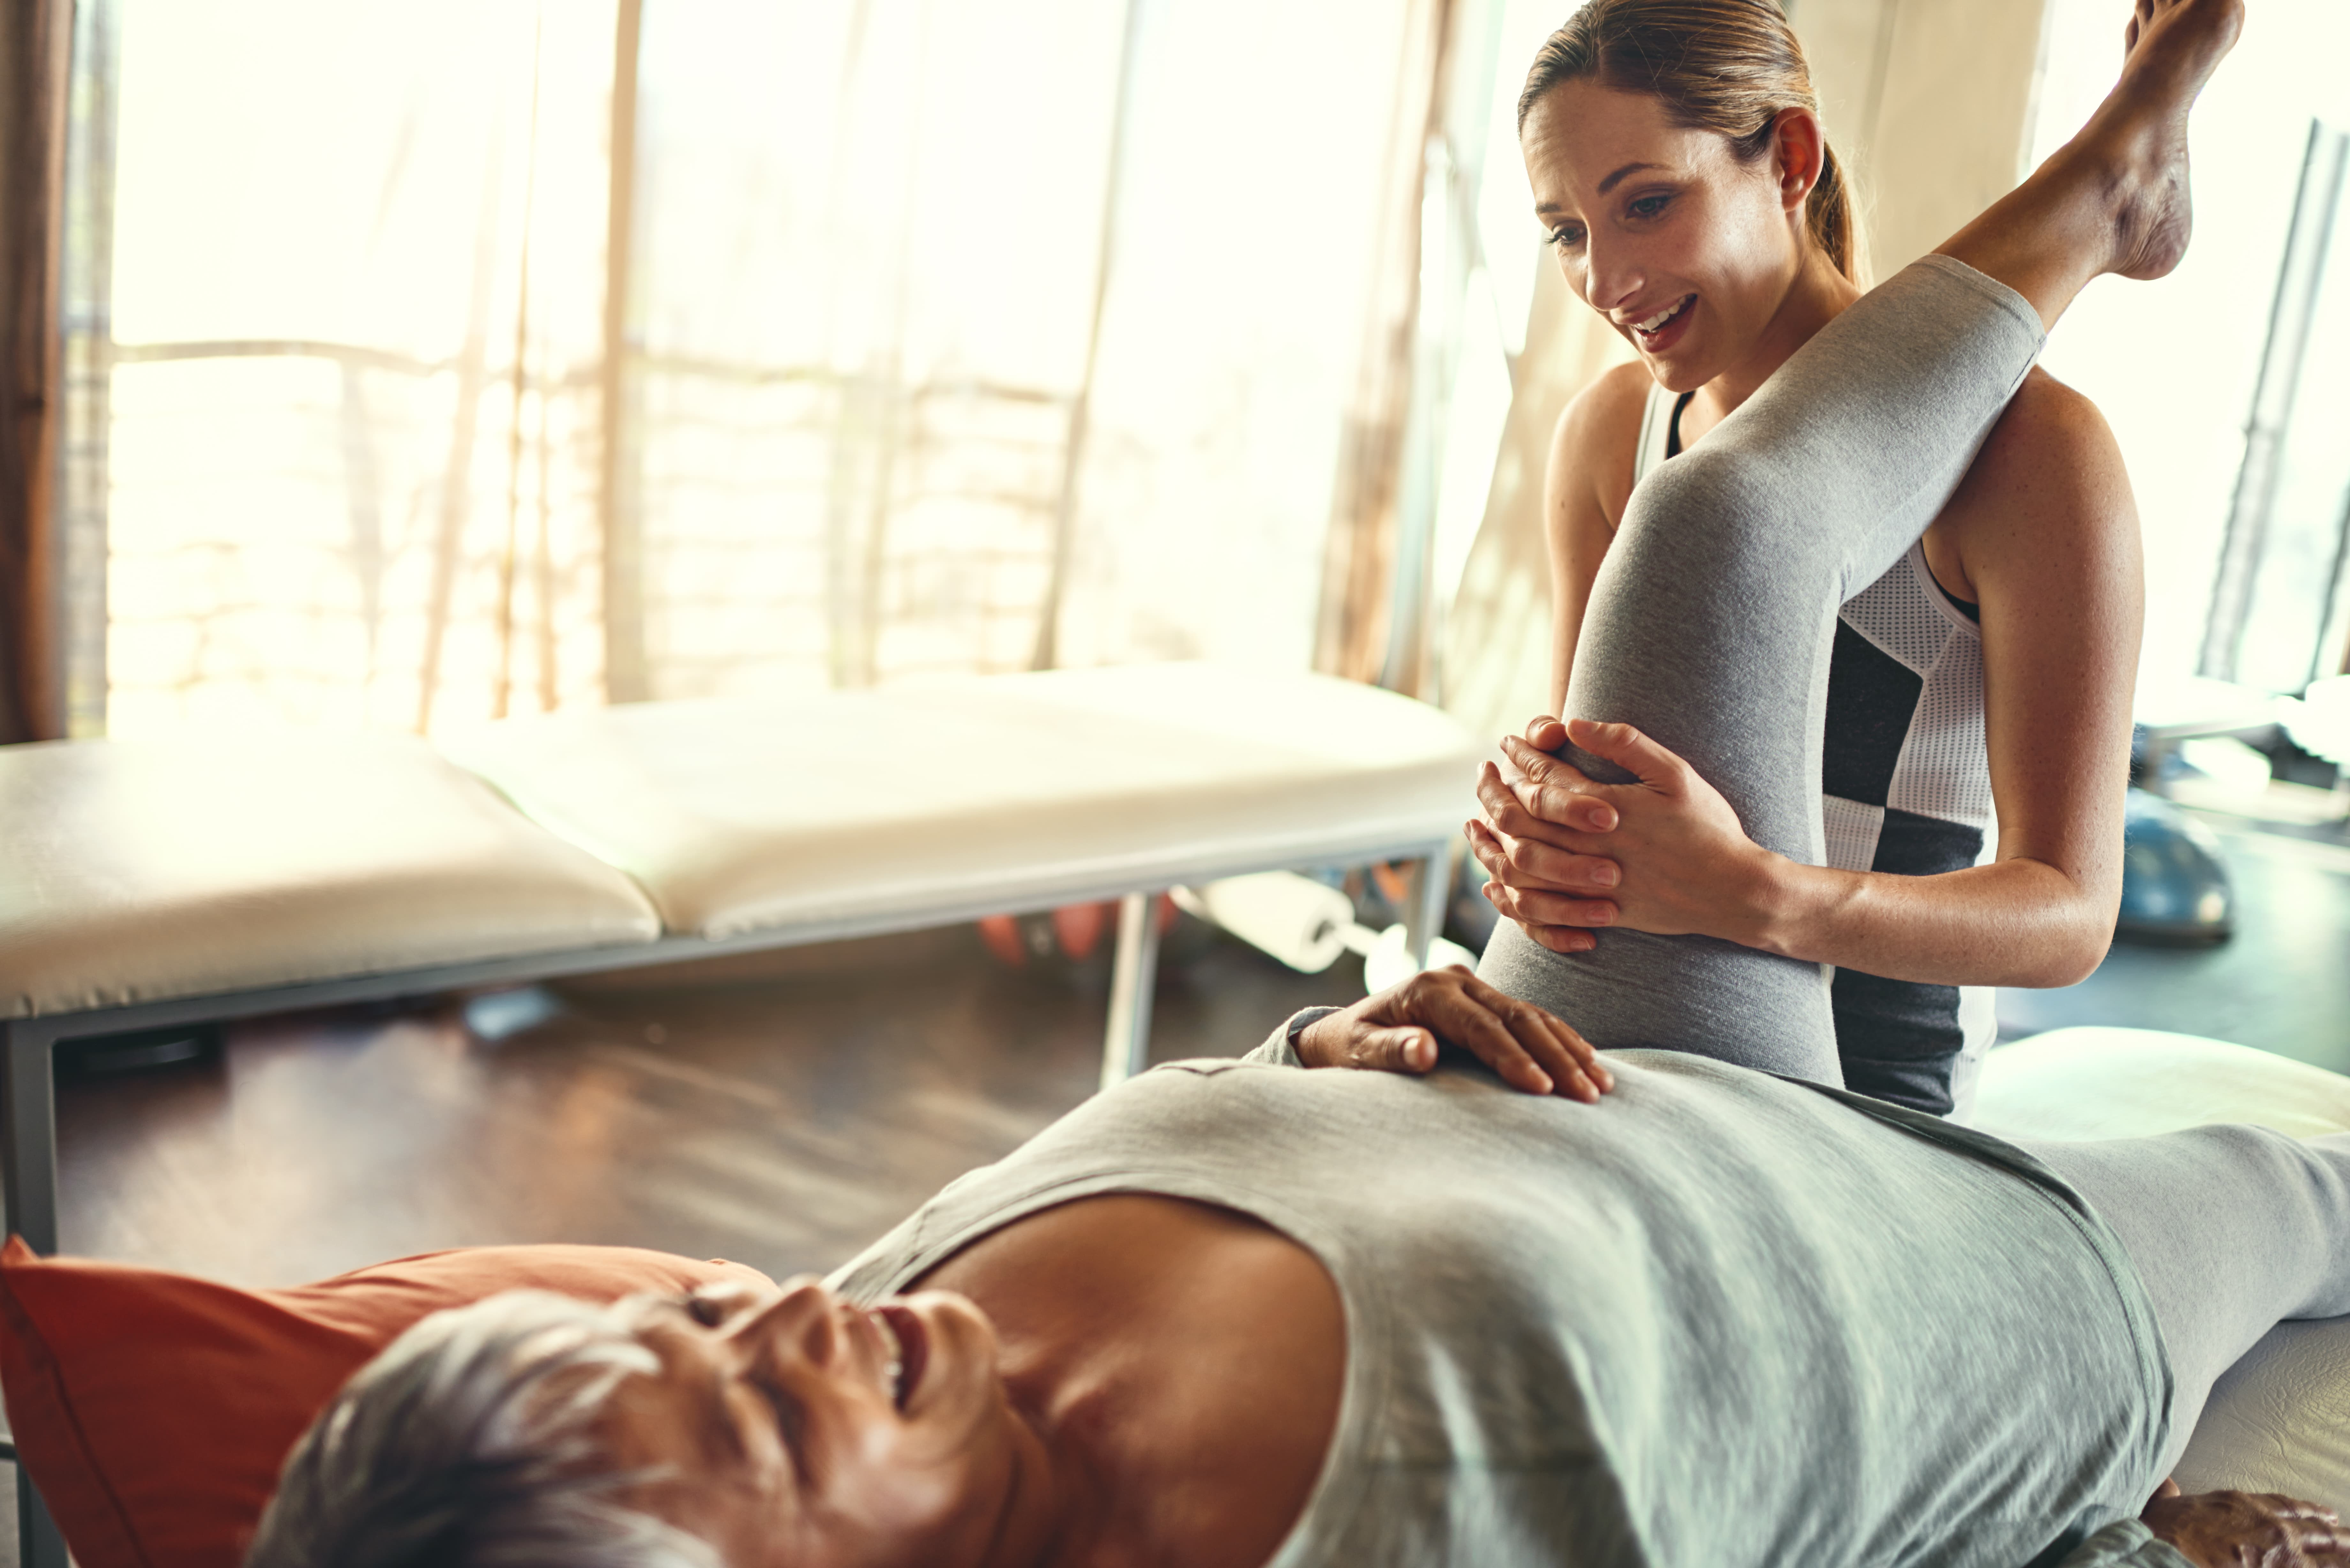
column 1709, row 627
column 1713, row 618
column 2233, row 1230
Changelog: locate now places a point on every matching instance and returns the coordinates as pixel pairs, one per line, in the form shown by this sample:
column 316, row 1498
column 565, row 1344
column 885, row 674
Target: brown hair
column 1725, row 65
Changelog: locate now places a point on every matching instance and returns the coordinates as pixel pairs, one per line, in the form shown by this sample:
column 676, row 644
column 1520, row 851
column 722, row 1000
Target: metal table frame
column 28, row 1160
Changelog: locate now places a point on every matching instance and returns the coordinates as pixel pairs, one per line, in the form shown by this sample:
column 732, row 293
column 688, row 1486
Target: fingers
column 1536, row 761
column 2247, row 1527
column 1392, row 1051
column 1630, row 750
column 1543, row 904
column 1537, row 908
column 1545, row 733
column 1560, row 814
column 1528, row 1048
column 1530, row 863
column 1360, row 1038
column 1564, row 940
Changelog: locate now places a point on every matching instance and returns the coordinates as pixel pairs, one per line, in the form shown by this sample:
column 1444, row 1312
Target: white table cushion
column 1003, row 791
column 140, row 871
column 2280, row 1420
column 2094, row 1082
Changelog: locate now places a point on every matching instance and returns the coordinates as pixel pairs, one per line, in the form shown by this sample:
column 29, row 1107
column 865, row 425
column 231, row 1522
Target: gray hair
column 468, row 1444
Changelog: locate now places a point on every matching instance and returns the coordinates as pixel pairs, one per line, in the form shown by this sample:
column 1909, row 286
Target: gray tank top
column 1906, row 783
column 1700, row 1322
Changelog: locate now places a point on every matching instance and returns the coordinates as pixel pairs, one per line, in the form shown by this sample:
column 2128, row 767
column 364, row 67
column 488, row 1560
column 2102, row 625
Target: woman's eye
column 1650, row 206
column 1564, row 238
column 706, row 1311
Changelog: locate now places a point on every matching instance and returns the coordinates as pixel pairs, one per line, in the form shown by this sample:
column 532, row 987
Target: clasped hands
column 1566, row 853
column 1555, row 843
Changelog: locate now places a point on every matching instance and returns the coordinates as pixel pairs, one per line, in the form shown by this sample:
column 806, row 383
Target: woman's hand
column 2246, row 1529
column 1401, row 1028
column 1664, row 854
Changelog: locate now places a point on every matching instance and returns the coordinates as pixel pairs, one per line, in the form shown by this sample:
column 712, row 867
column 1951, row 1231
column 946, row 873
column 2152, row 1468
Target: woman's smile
column 1660, row 332
column 1694, row 252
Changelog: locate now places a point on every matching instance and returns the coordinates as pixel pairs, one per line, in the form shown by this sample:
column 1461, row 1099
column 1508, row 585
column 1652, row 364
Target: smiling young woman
column 1680, row 167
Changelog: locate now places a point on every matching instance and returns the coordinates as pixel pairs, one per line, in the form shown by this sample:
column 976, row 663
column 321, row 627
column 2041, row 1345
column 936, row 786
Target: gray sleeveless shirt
column 1697, row 1324
column 1906, row 789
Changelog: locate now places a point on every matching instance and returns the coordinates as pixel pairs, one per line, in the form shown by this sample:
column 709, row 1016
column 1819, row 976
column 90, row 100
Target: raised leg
column 1134, row 974
column 28, row 1164
column 1712, row 622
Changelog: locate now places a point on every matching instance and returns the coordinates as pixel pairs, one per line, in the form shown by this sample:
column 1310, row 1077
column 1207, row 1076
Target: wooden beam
column 36, row 39
column 625, row 676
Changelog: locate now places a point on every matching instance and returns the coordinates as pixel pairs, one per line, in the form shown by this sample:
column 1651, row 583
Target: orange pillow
column 153, row 1409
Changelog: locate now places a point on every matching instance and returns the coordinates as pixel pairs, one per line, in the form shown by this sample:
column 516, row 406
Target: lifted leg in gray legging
column 1713, row 617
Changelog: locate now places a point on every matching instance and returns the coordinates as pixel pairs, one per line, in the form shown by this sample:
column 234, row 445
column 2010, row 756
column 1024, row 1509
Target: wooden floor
column 780, row 1121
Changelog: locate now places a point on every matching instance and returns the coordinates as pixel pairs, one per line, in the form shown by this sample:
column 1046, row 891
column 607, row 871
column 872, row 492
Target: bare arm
column 1585, row 487
column 2050, row 541
column 2045, row 535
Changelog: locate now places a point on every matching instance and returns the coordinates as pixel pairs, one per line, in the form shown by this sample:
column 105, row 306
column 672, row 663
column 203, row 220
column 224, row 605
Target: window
column 939, row 334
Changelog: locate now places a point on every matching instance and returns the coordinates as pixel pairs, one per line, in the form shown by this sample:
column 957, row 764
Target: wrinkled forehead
column 1582, row 140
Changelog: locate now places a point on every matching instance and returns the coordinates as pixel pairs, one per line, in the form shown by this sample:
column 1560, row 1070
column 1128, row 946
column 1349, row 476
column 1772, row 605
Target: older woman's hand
column 2247, row 1530
column 1399, row 1029
column 1664, row 854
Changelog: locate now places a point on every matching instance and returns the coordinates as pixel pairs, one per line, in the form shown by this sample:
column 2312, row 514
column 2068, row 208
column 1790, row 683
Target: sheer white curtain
column 356, row 258
column 949, row 335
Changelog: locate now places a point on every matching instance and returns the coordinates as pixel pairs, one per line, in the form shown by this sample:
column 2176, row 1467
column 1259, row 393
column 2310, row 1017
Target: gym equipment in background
column 2175, row 886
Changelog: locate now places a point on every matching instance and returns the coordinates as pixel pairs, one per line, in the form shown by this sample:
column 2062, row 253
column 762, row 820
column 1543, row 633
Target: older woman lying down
column 1667, row 1309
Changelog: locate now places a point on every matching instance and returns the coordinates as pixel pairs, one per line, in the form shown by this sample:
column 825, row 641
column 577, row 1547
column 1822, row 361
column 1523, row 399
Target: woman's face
column 1687, row 250
column 793, row 1429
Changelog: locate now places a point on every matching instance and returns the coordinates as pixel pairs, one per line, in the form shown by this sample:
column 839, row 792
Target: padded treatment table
column 2280, row 1419
column 160, row 884
column 762, row 823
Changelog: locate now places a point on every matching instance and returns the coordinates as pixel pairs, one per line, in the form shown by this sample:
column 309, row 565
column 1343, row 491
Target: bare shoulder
column 2048, row 500
column 2052, row 448
column 1597, row 437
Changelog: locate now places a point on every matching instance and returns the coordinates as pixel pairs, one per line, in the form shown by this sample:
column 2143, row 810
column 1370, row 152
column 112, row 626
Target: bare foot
column 2139, row 135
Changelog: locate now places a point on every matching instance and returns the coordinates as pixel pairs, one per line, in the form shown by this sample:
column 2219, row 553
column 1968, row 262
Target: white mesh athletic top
column 1906, row 783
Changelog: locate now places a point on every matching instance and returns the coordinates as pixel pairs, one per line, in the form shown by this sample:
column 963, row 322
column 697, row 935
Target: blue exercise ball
column 2175, row 887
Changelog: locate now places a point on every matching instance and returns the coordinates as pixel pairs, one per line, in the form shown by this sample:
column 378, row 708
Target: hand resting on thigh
column 1400, row 1030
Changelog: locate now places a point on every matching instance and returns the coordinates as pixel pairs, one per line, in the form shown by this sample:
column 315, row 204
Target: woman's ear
column 1799, row 149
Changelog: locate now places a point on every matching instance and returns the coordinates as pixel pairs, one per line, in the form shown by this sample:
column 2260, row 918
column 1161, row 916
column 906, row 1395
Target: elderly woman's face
column 793, row 1429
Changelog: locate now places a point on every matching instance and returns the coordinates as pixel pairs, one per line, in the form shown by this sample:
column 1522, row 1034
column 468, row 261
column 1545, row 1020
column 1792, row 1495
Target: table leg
column 28, row 1164
column 38, row 1544
column 1126, row 1044
column 1423, row 905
